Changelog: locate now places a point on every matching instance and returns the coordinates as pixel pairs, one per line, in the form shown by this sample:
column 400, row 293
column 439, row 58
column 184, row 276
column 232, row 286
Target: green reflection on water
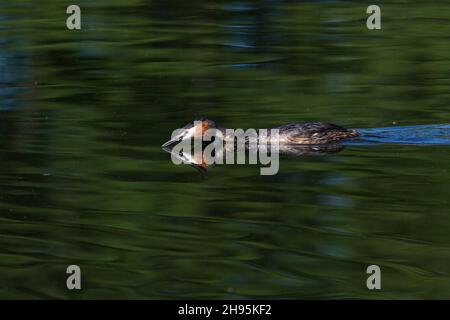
column 83, row 179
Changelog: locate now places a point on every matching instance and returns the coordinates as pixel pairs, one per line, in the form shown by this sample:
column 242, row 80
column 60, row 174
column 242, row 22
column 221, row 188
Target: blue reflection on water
column 438, row 134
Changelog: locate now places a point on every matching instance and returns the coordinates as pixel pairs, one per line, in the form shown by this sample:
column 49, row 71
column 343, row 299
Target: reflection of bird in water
column 301, row 133
column 189, row 158
column 197, row 161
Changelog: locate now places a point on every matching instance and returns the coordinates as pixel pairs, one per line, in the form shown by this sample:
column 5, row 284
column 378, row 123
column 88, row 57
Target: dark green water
column 83, row 179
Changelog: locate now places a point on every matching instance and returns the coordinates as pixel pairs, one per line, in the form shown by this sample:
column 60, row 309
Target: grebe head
column 194, row 129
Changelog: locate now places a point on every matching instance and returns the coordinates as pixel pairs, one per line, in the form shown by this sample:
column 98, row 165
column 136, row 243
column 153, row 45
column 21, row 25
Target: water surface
column 83, row 179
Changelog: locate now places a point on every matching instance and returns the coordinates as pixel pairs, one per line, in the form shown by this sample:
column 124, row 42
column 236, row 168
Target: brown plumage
column 314, row 133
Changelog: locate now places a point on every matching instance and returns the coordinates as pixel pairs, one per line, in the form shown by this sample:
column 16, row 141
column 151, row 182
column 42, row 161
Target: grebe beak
column 170, row 142
column 179, row 135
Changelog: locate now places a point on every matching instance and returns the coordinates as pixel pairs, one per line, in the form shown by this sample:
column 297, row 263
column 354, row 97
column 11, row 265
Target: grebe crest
column 195, row 129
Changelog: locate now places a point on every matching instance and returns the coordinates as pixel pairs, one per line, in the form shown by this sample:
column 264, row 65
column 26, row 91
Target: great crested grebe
column 299, row 133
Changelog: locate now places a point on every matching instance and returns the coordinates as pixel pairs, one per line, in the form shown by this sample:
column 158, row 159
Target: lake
column 84, row 181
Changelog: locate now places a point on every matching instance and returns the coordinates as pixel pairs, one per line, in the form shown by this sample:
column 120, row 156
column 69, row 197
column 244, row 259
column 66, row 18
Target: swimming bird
column 299, row 133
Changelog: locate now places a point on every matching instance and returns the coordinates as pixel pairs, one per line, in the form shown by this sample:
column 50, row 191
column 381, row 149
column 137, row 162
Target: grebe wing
column 307, row 129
